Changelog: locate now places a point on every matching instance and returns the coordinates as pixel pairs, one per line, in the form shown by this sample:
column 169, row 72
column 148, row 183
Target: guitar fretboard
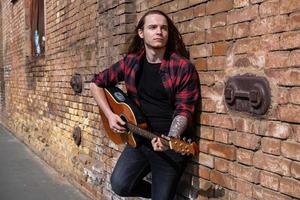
column 144, row 133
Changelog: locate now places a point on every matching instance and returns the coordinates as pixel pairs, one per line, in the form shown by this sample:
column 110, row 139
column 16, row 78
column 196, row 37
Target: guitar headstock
column 183, row 147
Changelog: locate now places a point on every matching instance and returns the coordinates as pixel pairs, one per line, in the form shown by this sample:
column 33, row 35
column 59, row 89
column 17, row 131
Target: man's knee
column 119, row 187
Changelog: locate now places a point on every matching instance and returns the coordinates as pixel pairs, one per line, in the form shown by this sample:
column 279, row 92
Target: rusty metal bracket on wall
column 77, row 135
column 76, row 83
column 248, row 93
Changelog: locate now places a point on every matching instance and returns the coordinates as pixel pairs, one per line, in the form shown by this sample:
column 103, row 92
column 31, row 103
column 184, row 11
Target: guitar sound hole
column 123, row 117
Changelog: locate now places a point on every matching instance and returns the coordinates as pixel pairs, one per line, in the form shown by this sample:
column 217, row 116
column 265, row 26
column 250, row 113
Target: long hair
column 175, row 42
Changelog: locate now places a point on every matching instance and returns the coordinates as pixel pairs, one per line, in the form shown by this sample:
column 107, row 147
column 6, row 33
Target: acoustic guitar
column 136, row 124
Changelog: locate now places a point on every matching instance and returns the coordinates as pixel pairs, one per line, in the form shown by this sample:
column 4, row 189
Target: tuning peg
column 189, row 140
column 184, row 138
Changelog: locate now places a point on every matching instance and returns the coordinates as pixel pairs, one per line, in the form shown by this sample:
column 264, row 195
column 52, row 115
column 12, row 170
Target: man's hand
column 158, row 145
column 116, row 124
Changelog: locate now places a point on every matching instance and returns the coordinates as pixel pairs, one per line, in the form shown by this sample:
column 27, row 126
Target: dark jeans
column 135, row 163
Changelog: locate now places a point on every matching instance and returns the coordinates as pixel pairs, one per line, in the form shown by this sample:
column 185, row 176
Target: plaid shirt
column 178, row 76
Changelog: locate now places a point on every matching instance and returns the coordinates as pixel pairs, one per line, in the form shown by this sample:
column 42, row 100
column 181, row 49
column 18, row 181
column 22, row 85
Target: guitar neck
column 144, row 133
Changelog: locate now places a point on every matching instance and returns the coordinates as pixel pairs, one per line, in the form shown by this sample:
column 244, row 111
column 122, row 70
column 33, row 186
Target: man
column 164, row 84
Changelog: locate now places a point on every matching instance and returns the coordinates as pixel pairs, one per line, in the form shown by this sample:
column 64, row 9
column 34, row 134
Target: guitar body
column 121, row 105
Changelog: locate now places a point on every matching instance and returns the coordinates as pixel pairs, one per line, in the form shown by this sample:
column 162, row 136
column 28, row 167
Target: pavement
column 24, row 176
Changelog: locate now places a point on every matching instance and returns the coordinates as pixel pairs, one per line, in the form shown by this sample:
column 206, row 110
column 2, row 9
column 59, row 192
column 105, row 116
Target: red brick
column 240, row 3
column 290, row 40
column 216, row 6
column 206, row 160
column 206, row 133
column 203, row 146
column 269, row 180
column 294, row 21
column 289, row 113
column 270, row 42
column 242, row 15
column 244, row 156
column 289, row 77
column 183, row 4
column 294, row 96
column 294, row 59
column 201, row 64
column 233, row 195
column 278, row 130
column 269, row 8
column 283, row 96
column 272, row 163
column 211, row 92
column 268, row 25
column 241, row 30
column 199, row 37
column 169, row 7
column 246, row 45
column 208, row 105
column 261, row 193
column 223, row 180
column 244, row 124
column 221, row 164
column 182, row 15
column 244, row 187
column 296, row 133
column 245, row 140
column 219, row 20
column 290, row 187
column 222, row 150
column 289, row 6
column 246, row 173
column 222, row 121
column 295, row 170
column 204, row 172
column 291, row 150
column 204, row 50
column 207, row 78
column 271, row 146
column 219, row 34
column 199, row 24
column 185, row 27
column 220, row 48
column 188, row 38
column 222, row 136
column 216, row 63
column 199, row 10
column 277, row 59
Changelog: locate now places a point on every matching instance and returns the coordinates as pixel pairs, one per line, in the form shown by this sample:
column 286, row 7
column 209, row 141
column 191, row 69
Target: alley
column 24, row 176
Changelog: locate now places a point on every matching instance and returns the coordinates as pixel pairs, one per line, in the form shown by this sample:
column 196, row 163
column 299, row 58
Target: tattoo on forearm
column 178, row 126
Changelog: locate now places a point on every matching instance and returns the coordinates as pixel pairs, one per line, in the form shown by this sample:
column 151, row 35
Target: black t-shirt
column 154, row 99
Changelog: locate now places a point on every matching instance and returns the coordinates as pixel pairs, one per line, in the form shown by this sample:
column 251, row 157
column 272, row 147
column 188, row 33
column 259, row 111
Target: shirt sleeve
column 112, row 75
column 187, row 93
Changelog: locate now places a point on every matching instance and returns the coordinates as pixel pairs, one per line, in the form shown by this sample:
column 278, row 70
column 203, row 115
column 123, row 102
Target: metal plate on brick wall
column 77, row 135
column 76, row 83
column 248, row 93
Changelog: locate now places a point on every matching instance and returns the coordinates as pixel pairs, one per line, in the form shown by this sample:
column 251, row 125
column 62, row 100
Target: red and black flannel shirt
column 178, row 75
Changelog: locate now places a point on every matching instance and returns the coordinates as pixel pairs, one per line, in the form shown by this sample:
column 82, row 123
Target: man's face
column 155, row 31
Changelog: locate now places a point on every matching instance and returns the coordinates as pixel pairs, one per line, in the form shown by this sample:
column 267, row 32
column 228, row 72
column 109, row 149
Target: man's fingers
column 158, row 145
column 165, row 137
column 120, row 121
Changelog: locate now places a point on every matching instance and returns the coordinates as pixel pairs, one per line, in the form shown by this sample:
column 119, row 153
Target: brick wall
column 2, row 92
column 250, row 157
